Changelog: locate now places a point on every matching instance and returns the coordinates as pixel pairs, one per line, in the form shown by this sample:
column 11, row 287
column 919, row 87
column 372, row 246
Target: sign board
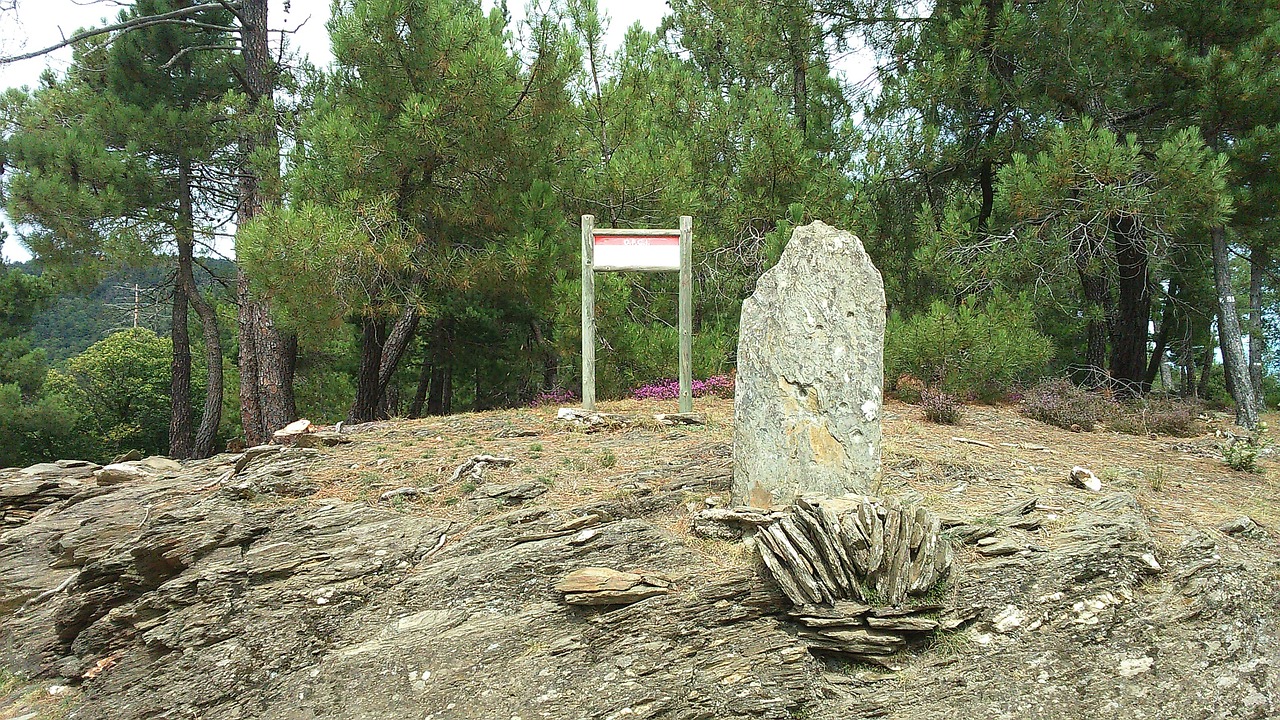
column 639, row 251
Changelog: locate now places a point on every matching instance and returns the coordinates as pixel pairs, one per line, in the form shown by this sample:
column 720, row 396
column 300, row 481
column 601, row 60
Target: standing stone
column 810, row 373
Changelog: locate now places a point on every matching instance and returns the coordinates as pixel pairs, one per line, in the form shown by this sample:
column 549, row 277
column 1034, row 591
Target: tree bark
column 393, row 350
column 424, row 386
column 1206, row 369
column 373, row 335
column 1087, row 254
column 986, row 183
column 211, row 417
column 1129, row 329
column 266, row 372
column 180, row 375
column 1229, row 335
column 1156, row 365
column 800, row 90
column 440, row 398
column 1257, row 340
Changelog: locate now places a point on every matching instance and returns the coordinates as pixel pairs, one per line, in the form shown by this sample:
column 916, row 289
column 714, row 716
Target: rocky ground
column 279, row 583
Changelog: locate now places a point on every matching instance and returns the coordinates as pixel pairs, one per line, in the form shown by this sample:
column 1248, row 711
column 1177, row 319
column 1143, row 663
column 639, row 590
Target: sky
column 40, row 23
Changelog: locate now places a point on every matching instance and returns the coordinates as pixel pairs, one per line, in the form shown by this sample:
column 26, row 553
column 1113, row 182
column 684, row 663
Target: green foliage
column 1270, row 391
column 979, row 350
column 34, row 425
column 36, row 430
column 120, row 388
column 1241, row 453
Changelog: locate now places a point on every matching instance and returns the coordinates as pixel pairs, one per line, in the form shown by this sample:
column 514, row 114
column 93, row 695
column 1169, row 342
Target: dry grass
column 1182, row 482
column 577, row 467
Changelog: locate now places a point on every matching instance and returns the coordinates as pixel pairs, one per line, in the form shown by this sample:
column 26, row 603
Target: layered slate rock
column 810, row 373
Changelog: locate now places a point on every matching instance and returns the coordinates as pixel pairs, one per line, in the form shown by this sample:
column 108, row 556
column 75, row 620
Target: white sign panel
column 655, row 251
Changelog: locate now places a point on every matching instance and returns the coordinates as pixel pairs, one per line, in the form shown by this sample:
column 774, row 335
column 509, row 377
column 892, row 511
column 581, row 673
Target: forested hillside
column 1050, row 189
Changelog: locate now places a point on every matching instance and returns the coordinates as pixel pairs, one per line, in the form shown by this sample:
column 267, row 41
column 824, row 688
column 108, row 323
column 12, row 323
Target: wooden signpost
column 639, row 251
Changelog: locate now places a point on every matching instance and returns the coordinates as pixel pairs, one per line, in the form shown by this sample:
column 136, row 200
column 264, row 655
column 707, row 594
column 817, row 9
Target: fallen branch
column 1025, row 446
column 968, row 441
column 680, row 419
column 48, row 593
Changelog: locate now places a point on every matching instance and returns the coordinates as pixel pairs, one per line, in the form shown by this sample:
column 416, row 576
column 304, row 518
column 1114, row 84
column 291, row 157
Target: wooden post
column 686, row 314
column 588, row 314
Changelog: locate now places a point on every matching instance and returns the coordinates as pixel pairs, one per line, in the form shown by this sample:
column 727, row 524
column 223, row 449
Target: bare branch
column 178, row 55
column 175, row 17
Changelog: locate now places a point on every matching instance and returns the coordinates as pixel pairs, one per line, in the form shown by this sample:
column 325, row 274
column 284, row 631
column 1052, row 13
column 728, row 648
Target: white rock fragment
column 1008, row 620
column 1084, row 478
column 1135, row 666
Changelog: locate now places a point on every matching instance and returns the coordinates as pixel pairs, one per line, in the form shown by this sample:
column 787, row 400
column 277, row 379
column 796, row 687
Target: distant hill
column 77, row 320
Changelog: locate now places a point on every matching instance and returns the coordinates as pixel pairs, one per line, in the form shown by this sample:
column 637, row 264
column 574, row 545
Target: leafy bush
column 1270, row 392
column 32, row 430
column 940, row 407
column 119, row 388
column 1059, row 402
column 977, row 350
column 1241, row 452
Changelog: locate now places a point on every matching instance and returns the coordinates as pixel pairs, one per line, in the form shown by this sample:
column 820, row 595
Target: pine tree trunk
column 1257, row 340
column 446, row 397
column 393, row 352
column 180, row 376
column 800, row 91
column 1093, row 283
column 373, row 335
column 1155, row 368
column 1229, row 335
column 1133, row 310
column 440, row 398
column 424, row 386
column 266, row 372
column 1206, row 369
column 211, row 417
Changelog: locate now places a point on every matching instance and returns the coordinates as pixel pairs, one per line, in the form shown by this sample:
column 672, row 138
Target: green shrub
column 1270, row 392
column 119, row 389
column 1059, row 402
column 909, row 389
column 1241, row 452
column 978, row 351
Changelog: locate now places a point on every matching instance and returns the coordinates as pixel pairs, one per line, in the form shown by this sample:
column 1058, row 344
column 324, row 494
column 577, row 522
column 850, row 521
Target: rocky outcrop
column 810, row 373
column 174, row 597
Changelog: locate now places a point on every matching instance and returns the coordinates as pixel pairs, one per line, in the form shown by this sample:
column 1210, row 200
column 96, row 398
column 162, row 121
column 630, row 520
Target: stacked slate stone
column 854, row 548
column 869, row 633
